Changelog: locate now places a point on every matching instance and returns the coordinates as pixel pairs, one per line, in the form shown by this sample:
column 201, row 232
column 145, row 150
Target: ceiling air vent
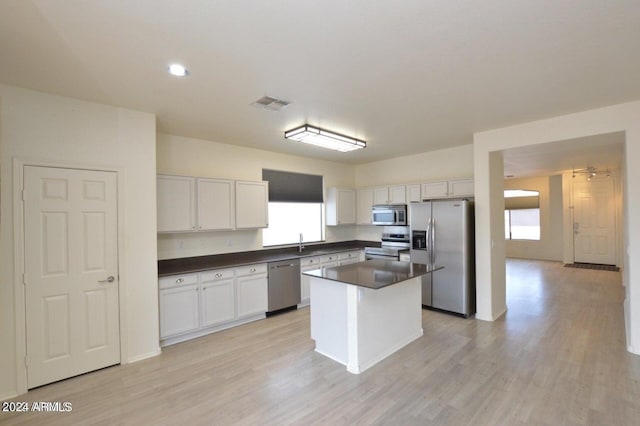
column 273, row 104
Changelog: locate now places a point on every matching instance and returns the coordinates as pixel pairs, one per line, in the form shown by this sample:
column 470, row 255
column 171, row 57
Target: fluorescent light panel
column 324, row 138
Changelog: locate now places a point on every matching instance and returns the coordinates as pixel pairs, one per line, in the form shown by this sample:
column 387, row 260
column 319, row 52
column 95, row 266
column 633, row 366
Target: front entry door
column 594, row 221
column 71, row 272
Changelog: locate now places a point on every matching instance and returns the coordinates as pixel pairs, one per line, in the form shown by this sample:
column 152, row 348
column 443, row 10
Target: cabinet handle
column 218, row 275
column 252, row 270
column 193, row 227
column 179, row 280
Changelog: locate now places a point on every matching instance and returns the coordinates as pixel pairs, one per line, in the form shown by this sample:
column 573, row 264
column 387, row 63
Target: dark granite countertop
column 216, row 261
column 375, row 273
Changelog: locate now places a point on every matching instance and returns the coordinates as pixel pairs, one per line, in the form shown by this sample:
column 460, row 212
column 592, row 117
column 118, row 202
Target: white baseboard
column 151, row 354
column 8, row 396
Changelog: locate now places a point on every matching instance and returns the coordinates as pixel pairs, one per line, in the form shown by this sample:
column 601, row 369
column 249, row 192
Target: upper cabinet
column 215, row 200
column 390, row 195
column 341, row 206
column 252, row 201
column 364, row 201
column 413, row 193
column 176, row 201
column 202, row 204
column 447, row 189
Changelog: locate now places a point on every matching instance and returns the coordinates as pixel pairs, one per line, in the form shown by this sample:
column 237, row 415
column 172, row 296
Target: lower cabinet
column 193, row 305
column 321, row 262
column 252, row 290
column 179, row 307
column 217, row 297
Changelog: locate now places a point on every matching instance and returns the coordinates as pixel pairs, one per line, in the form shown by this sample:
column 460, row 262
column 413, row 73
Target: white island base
column 358, row 326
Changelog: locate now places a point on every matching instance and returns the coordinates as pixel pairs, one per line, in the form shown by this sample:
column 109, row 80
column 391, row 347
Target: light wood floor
column 557, row 357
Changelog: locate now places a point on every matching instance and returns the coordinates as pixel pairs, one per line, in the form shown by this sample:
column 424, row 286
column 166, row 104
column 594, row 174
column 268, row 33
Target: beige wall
column 549, row 247
column 196, row 157
column 36, row 127
column 490, row 256
column 448, row 163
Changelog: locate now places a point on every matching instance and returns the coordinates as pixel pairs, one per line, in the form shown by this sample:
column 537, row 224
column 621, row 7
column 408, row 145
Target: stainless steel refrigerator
column 442, row 233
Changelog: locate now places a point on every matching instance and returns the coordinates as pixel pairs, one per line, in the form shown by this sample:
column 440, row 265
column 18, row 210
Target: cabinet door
column 434, row 190
column 215, row 204
column 252, row 295
column 364, row 198
column 397, row 194
column 348, row 257
column 176, row 201
column 346, row 207
column 381, row 195
column 461, row 188
column 413, row 193
column 307, row 264
column 218, row 302
column 178, row 310
column 252, row 200
column 341, row 206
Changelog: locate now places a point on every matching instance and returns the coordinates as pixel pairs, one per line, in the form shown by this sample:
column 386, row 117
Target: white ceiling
column 408, row 77
column 600, row 151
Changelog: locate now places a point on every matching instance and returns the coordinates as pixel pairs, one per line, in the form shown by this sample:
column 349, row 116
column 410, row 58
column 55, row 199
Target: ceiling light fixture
column 178, row 70
column 324, row 138
column 591, row 172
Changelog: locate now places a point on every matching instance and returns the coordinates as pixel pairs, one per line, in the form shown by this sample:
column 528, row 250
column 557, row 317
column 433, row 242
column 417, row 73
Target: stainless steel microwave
column 389, row 214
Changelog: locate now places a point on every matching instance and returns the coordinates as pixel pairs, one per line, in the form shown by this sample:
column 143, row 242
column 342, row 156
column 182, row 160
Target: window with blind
column 521, row 215
column 296, row 207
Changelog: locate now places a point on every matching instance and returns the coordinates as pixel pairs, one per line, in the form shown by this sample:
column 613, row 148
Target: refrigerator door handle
column 432, row 227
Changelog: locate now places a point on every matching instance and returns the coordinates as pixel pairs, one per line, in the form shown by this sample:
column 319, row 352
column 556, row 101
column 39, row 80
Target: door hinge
column 26, row 360
column 24, row 279
column 23, row 196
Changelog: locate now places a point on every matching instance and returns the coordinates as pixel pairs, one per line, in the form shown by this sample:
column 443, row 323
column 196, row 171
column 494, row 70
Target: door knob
column 109, row 279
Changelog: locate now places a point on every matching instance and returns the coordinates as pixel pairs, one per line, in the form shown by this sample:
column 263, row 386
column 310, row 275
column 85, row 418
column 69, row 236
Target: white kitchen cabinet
column 176, row 203
column 435, row 190
column 216, row 204
column 390, row 195
column 179, row 311
column 381, row 195
column 461, row 188
column 217, row 297
column 252, row 200
column 349, row 257
column 413, row 193
column 447, row 189
column 364, row 198
column 329, row 261
column 252, row 288
column 341, row 206
column 307, row 264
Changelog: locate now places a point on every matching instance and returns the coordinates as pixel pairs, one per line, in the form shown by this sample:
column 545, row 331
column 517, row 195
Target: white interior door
column 71, row 276
column 594, row 221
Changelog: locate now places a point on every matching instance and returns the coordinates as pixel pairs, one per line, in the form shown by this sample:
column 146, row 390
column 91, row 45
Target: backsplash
column 190, row 244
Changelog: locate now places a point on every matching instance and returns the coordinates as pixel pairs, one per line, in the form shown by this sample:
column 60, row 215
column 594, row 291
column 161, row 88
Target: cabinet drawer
column 329, row 258
column 260, row 268
column 178, row 281
column 310, row 261
column 216, row 275
column 349, row 255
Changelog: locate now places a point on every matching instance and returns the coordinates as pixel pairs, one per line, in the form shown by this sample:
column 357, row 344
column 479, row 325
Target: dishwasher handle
column 288, row 265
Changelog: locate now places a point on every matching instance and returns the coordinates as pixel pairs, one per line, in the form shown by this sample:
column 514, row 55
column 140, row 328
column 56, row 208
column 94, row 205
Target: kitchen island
column 363, row 312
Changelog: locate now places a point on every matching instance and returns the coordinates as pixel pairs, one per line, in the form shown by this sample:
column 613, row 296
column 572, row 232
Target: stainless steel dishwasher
column 284, row 285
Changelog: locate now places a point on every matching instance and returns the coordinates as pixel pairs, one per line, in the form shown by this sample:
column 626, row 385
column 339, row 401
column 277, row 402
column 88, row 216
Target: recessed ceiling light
column 178, row 70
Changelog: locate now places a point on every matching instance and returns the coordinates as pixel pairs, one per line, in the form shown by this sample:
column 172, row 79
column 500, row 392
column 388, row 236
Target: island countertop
column 374, row 273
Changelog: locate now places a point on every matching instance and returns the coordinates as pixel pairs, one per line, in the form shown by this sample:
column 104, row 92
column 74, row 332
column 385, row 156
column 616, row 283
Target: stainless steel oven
column 395, row 239
column 389, row 214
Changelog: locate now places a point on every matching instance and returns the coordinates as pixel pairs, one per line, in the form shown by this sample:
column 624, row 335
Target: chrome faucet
column 300, row 246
